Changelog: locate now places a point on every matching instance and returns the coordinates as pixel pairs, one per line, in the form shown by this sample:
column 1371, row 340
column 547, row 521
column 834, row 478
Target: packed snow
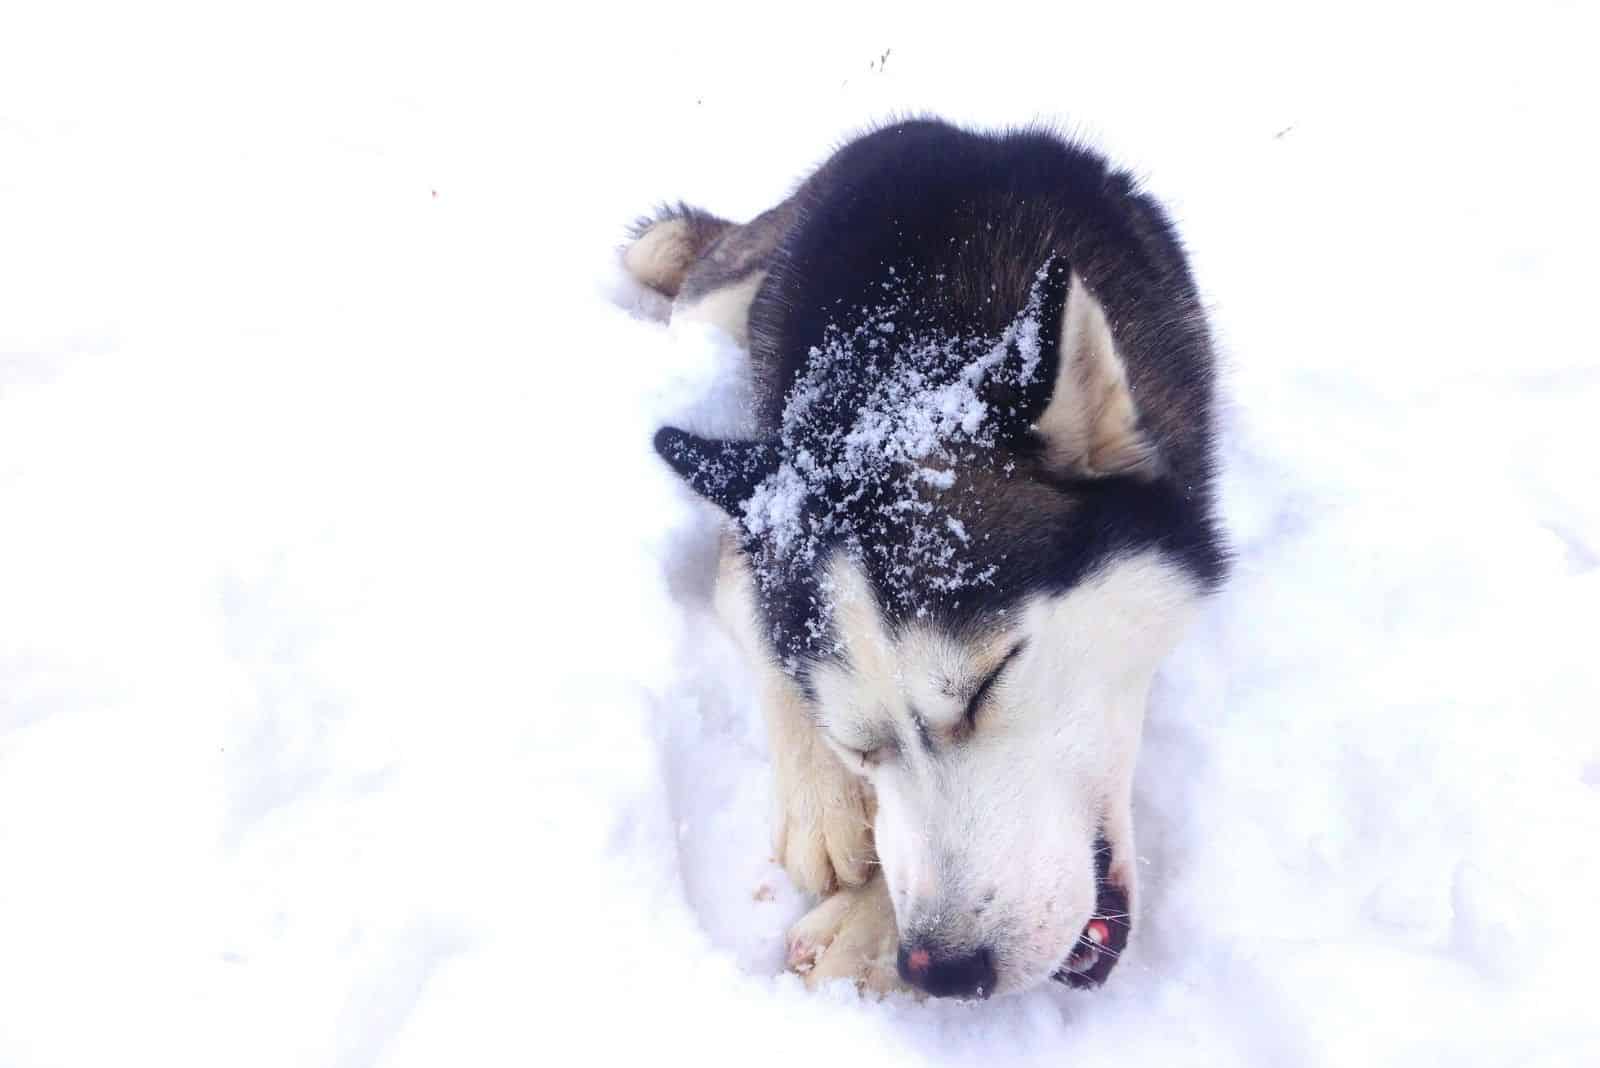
column 360, row 697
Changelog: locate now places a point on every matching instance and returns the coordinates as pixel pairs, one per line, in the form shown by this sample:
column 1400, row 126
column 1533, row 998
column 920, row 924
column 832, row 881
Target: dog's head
column 975, row 607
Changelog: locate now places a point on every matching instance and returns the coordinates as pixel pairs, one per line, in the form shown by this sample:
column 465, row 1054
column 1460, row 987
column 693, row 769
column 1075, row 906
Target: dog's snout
column 946, row 975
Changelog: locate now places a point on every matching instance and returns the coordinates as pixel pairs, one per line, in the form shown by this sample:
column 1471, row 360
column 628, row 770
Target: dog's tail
column 666, row 245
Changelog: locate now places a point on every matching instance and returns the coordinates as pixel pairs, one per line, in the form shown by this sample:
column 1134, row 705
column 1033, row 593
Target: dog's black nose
column 948, row 975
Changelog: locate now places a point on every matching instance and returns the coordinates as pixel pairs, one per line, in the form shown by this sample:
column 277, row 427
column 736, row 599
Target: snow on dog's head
column 874, row 430
column 970, row 558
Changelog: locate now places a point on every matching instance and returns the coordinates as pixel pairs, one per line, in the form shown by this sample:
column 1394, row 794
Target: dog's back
column 965, row 220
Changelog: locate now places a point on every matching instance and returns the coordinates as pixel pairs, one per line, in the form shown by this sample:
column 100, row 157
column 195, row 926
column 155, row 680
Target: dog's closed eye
column 969, row 718
column 871, row 758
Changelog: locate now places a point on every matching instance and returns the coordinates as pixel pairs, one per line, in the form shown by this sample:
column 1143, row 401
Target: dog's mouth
column 1106, row 934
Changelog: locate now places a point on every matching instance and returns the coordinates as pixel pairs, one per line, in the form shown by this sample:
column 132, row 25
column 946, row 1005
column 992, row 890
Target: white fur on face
column 986, row 832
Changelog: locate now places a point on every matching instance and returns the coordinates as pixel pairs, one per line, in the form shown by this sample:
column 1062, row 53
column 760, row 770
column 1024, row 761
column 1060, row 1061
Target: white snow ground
column 358, row 698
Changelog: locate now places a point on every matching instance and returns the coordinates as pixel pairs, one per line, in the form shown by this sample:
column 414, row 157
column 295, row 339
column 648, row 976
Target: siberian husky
column 974, row 517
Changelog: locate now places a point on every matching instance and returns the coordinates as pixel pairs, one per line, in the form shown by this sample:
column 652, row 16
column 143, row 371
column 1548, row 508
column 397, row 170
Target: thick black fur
column 966, row 220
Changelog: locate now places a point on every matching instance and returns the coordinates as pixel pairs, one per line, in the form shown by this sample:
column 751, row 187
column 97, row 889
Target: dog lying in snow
column 975, row 516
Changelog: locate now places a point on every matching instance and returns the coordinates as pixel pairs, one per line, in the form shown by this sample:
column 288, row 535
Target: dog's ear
column 1090, row 426
column 725, row 473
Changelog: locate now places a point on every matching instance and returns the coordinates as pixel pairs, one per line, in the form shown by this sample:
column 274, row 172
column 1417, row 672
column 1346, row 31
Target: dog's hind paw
column 850, row 935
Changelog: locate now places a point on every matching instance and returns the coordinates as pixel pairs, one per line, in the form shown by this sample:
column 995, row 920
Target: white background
column 358, row 698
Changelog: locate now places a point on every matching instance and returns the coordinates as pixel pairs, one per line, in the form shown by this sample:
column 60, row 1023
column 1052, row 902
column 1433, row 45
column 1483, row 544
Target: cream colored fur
column 822, row 813
column 1091, row 425
column 728, row 308
column 662, row 255
column 851, row 935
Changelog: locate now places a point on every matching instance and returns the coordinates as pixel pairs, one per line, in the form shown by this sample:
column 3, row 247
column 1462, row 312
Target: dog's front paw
column 822, row 829
column 851, row 935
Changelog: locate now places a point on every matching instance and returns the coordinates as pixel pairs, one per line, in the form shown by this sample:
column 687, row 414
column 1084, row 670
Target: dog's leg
column 822, row 825
column 710, row 267
column 851, row 935
column 665, row 247
column 822, row 819
column 726, row 307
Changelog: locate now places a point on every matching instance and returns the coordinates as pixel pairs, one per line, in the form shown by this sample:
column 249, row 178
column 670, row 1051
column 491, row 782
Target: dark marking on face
column 922, row 730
